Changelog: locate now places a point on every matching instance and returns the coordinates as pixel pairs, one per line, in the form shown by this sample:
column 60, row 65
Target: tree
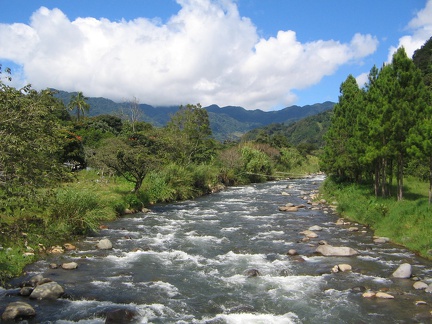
column 421, row 137
column 409, row 104
column 343, row 142
column 31, row 142
column 191, row 135
column 132, row 157
column 132, row 112
column 78, row 102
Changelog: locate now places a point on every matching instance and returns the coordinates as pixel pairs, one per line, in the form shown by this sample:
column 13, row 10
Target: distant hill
column 228, row 122
column 309, row 130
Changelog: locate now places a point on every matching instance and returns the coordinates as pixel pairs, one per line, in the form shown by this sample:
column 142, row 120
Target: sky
column 257, row 54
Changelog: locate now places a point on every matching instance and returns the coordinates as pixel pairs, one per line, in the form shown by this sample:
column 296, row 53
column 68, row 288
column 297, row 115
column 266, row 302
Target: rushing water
column 186, row 263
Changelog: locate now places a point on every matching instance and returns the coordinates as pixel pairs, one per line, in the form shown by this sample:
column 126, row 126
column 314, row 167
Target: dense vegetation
column 227, row 123
column 380, row 136
column 63, row 172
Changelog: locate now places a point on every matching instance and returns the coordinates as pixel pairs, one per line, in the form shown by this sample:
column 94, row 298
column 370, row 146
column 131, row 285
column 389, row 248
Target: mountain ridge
column 228, row 122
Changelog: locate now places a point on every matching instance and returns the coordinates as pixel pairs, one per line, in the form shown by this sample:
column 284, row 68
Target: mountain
column 228, row 122
column 309, row 130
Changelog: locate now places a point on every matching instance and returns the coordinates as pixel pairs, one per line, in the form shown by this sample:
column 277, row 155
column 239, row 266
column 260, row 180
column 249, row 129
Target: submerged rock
column 120, row 316
column 252, row 273
column 17, row 310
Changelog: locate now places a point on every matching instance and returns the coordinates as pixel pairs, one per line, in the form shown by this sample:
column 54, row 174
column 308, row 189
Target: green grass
column 407, row 222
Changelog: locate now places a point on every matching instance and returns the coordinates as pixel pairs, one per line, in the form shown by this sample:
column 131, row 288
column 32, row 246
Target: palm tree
column 79, row 103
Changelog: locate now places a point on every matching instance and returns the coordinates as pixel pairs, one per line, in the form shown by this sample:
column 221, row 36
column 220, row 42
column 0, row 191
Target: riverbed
column 190, row 262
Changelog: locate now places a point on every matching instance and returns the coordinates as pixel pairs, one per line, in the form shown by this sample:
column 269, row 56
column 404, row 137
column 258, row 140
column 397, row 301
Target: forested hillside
column 227, row 123
column 309, row 130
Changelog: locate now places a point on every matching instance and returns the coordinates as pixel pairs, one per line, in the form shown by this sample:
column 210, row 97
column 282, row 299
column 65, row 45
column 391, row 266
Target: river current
column 187, row 262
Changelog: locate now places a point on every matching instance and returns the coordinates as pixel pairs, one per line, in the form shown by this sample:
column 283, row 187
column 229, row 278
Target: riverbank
column 407, row 222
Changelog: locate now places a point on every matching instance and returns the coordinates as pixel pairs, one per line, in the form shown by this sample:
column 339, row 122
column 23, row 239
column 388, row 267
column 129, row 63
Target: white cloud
column 206, row 53
column 421, row 27
column 362, row 79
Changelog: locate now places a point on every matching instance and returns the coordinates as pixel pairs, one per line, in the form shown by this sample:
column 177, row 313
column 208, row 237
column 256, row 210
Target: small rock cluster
column 40, row 288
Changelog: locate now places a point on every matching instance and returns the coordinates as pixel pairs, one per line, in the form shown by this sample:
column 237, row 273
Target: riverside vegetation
column 63, row 174
column 125, row 164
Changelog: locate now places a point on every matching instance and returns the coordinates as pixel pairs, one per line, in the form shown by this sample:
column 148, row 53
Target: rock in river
column 328, row 250
column 17, row 310
column 403, row 272
column 50, row 290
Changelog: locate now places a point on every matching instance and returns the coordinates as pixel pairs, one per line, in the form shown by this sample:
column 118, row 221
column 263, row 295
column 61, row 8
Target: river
column 186, row 263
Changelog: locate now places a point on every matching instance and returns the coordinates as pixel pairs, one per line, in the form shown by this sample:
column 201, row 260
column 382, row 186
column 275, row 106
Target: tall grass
column 407, row 222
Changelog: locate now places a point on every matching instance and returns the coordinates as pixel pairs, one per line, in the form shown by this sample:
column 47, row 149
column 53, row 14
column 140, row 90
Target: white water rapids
column 186, row 263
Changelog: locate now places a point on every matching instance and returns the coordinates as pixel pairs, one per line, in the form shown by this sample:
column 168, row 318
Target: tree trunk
column 383, row 177
column 400, row 177
column 430, row 179
column 377, row 174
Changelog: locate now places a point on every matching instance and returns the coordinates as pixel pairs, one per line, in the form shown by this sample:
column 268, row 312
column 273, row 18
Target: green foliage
column 256, row 164
column 375, row 132
column 406, row 222
column 75, row 211
column 79, row 103
column 31, row 142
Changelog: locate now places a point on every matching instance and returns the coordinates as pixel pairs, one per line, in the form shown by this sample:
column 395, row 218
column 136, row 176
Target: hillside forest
column 63, row 172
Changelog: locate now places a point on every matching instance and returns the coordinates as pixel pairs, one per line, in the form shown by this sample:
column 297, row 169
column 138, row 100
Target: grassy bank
column 407, row 222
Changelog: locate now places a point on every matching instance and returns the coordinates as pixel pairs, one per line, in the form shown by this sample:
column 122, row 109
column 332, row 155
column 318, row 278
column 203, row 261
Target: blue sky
column 258, row 54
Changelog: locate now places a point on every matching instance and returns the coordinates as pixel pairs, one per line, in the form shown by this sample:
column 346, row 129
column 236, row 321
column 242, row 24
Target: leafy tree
column 191, row 134
column 132, row 157
column 31, row 142
column 79, row 103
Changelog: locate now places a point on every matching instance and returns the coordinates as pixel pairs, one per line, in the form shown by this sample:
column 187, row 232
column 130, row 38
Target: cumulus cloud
column 421, row 27
column 205, row 53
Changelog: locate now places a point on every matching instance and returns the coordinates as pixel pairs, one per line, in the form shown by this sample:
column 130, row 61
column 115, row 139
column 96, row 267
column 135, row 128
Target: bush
column 75, row 211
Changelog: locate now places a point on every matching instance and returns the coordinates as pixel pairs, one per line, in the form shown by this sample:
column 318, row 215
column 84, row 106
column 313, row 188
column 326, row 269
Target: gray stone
column 69, row 265
column 50, row 290
column 328, row 250
column 104, row 244
column 420, row 285
column 17, row 310
column 403, row 271
column 429, row 289
column 315, row 228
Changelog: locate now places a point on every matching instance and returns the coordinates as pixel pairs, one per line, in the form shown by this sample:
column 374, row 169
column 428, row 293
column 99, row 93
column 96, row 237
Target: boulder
column 353, row 229
column 50, row 290
column 26, row 291
column 69, row 247
column 380, row 240
column 309, row 234
column 17, row 310
column 383, row 295
column 429, row 289
column 55, row 250
column 403, row 271
column 104, row 244
column 368, row 294
column 315, row 228
column 252, row 273
column 69, row 265
column 288, row 209
column 344, row 267
column 120, row 316
column 292, row 252
column 328, row 250
column 420, row 285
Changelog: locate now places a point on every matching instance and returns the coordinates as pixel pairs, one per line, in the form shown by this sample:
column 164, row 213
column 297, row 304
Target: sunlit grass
column 407, row 222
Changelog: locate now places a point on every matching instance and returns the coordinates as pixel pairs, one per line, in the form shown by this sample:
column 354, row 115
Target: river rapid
column 187, row 262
